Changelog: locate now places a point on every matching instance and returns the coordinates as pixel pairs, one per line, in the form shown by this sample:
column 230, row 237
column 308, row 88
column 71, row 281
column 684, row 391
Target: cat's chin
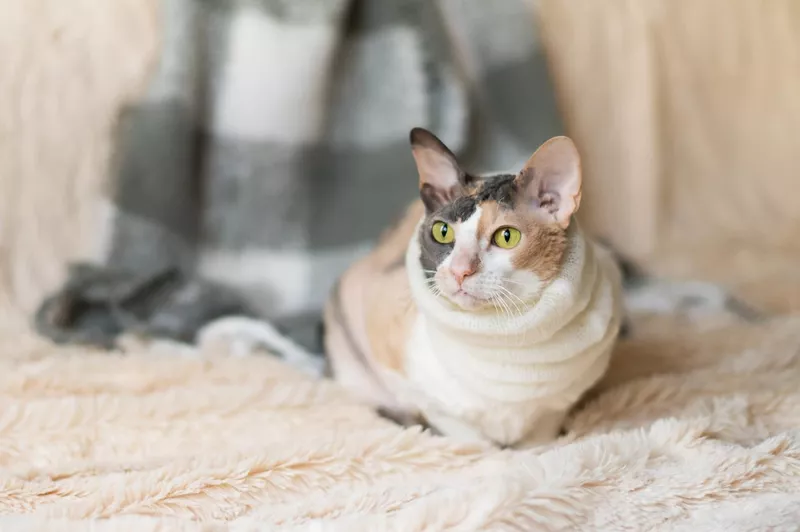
column 467, row 302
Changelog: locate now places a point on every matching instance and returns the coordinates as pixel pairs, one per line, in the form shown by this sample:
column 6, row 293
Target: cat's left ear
column 552, row 181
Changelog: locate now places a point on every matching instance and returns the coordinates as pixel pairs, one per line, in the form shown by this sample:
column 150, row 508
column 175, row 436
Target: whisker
column 504, row 306
column 496, row 301
column 506, row 295
column 509, row 294
column 508, row 304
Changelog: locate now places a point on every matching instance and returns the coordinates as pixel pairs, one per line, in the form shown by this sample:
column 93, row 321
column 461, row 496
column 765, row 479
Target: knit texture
column 498, row 370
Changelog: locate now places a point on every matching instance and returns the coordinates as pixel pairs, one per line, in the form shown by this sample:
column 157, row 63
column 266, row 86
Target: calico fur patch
column 501, row 201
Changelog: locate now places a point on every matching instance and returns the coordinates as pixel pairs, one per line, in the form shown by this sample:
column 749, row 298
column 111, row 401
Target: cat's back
column 370, row 313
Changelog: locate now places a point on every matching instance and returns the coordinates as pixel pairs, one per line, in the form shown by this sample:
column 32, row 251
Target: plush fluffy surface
column 685, row 434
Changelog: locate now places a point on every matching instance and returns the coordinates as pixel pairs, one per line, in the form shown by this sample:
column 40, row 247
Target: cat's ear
column 551, row 180
column 441, row 180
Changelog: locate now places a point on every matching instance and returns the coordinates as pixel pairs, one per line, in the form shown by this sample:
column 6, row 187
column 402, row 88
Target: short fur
column 370, row 317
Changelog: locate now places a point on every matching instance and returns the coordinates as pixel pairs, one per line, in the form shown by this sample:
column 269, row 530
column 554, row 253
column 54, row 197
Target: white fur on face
column 496, row 282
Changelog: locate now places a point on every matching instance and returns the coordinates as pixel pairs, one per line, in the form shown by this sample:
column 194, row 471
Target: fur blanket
column 690, row 431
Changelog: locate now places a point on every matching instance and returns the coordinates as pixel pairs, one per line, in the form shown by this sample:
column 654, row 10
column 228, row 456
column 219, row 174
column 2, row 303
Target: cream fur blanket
column 695, row 431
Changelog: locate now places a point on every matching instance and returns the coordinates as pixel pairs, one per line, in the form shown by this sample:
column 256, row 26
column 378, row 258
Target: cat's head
column 494, row 240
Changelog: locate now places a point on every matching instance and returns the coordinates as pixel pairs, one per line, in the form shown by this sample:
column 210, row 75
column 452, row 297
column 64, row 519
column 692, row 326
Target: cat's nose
column 462, row 273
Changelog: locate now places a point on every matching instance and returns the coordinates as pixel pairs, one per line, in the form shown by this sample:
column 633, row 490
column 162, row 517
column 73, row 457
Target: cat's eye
column 442, row 233
column 507, row 237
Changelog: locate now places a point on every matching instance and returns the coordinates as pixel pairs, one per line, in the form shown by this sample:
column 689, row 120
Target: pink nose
column 462, row 273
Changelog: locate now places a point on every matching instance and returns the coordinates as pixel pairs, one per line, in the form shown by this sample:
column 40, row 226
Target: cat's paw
column 235, row 336
column 242, row 336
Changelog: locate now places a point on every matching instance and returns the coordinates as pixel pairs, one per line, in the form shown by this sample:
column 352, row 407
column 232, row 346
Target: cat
column 490, row 249
column 486, row 311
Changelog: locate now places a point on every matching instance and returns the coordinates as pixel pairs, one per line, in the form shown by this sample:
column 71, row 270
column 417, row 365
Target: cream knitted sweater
column 511, row 379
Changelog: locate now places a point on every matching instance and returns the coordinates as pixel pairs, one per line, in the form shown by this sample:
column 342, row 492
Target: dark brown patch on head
column 459, row 209
column 500, row 188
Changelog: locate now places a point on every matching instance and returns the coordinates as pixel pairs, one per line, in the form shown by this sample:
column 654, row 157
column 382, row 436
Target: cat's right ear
column 440, row 178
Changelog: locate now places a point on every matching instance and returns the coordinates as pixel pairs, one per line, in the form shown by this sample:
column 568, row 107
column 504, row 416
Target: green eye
column 507, row 237
column 442, row 233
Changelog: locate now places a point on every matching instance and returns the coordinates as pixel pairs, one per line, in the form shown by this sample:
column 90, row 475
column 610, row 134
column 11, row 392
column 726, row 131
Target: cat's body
column 484, row 311
column 483, row 342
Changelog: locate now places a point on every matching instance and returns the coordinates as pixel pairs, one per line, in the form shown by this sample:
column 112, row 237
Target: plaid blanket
column 271, row 149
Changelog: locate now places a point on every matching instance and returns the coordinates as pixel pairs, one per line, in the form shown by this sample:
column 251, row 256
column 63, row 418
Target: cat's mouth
column 465, row 296
column 466, row 300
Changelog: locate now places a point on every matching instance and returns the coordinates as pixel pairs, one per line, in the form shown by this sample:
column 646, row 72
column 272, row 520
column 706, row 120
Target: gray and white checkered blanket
column 271, row 148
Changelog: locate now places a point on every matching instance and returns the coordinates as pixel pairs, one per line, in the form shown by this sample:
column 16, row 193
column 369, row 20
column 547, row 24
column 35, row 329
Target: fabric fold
column 270, row 150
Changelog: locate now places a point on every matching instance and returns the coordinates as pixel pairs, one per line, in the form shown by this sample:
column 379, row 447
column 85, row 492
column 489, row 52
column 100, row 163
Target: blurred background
column 253, row 149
